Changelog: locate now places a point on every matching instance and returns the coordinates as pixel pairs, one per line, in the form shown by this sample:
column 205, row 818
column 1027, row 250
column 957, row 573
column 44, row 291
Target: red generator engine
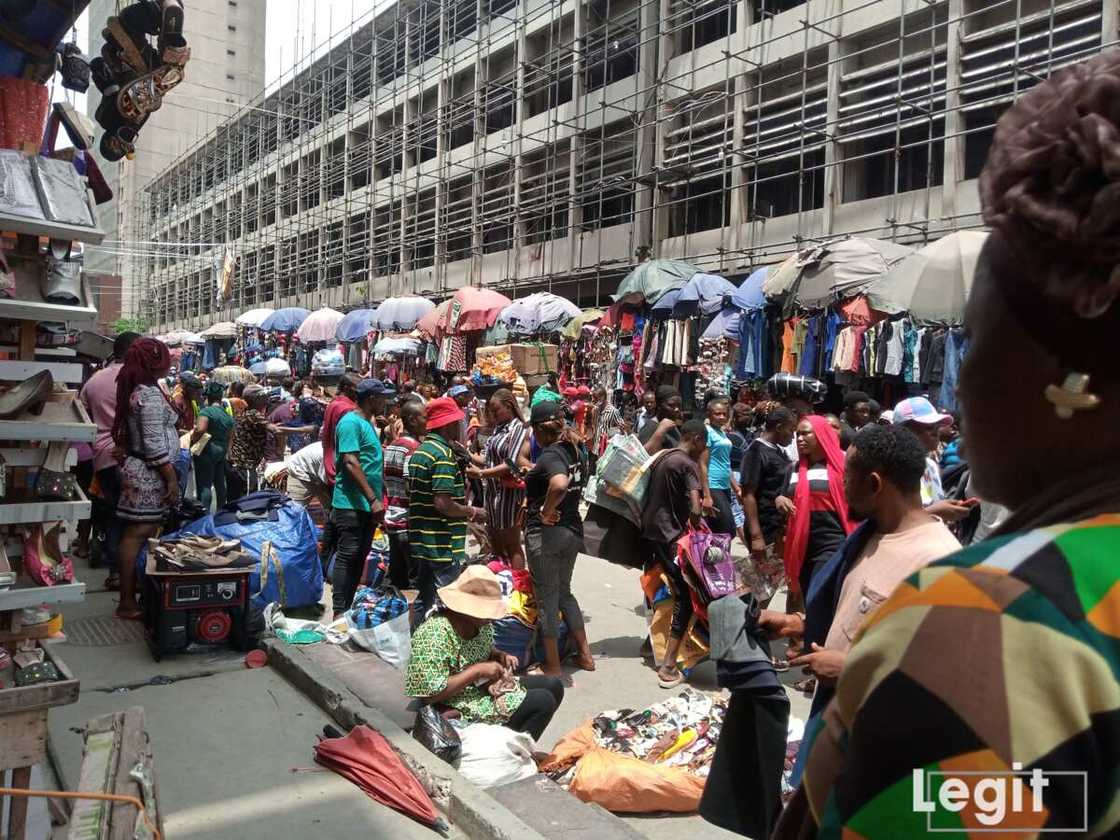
column 196, row 608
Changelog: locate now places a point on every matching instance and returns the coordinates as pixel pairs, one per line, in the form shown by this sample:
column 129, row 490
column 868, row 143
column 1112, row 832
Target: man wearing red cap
column 437, row 508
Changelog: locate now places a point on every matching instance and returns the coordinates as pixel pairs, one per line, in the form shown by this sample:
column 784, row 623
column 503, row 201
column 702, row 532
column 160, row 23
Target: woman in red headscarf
column 145, row 429
column 818, row 524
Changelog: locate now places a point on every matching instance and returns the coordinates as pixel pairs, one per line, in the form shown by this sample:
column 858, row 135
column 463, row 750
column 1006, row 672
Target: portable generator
column 201, row 608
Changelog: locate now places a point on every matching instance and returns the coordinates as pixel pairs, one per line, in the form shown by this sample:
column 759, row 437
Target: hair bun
column 1051, row 185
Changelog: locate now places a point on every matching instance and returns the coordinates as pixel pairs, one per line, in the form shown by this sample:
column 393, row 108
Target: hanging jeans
column 354, row 529
column 956, row 345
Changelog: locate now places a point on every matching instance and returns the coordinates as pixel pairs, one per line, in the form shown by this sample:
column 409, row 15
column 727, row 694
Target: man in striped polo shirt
column 437, row 508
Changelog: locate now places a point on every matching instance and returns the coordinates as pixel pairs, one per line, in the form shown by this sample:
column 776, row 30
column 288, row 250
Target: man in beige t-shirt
column 882, row 483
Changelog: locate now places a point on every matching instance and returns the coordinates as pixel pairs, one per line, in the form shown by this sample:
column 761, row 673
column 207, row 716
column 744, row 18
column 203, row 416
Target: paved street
column 225, row 739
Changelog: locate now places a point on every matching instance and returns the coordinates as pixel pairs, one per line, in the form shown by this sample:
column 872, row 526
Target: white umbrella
column 225, row 329
column 932, row 283
column 175, row 338
column 401, row 313
column 254, row 317
column 843, row 268
column 397, row 347
column 539, row 312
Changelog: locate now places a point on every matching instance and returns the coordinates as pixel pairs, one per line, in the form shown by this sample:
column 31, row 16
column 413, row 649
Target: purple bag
column 709, row 555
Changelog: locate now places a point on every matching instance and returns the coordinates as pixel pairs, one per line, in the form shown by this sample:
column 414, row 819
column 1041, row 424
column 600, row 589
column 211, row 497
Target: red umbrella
column 365, row 758
column 473, row 309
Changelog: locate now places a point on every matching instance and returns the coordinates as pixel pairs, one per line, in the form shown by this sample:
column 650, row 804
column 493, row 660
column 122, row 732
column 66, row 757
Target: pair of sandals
column 132, row 75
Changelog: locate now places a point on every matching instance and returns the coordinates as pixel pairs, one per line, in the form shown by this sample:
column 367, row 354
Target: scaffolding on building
column 543, row 145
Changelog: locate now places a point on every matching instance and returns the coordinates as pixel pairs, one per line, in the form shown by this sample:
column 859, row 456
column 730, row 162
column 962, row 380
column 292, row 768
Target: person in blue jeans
column 356, row 505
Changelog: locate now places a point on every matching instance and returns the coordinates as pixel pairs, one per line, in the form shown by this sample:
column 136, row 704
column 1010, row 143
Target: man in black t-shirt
column 672, row 503
column 766, row 469
column 663, row 431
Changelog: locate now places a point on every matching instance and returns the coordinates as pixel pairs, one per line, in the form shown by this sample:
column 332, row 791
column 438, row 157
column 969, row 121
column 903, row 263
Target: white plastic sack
column 391, row 640
column 496, row 755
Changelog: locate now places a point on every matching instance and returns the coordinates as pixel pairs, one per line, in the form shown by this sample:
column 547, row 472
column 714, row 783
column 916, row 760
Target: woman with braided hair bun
column 144, row 430
column 1005, row 655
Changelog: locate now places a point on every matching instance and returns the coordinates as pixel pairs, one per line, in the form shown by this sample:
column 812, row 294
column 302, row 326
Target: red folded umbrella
column 365, row 758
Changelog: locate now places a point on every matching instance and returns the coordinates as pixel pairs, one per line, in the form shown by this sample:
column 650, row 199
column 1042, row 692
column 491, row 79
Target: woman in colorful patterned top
column 454, row 662
column 1005, row 656
column 506, row 459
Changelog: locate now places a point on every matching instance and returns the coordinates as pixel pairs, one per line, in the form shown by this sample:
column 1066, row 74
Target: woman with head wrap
column 818, row 523
column 145, row 429
column 1005, row 655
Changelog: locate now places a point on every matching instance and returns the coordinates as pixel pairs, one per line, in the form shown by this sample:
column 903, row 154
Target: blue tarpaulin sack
column 292, row 575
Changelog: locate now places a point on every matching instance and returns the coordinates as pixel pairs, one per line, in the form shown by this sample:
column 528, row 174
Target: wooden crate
column 15, row 700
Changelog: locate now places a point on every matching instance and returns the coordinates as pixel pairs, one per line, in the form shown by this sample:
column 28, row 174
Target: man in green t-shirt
column 356, row 504
column 437, row 508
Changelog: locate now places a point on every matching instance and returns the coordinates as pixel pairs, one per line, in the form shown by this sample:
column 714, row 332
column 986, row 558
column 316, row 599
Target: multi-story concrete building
column 532, row 144
column 226, row 70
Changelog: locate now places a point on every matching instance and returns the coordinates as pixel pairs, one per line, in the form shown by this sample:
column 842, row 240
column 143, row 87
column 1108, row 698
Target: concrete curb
column 468, row 807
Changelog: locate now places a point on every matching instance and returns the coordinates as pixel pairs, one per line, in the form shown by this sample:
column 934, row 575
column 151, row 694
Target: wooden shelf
column 28, row 305
column 22, row 597
column 33, row 510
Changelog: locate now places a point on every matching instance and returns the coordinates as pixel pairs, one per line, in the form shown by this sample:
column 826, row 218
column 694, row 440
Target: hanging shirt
column 789, row 360
column 895, row 349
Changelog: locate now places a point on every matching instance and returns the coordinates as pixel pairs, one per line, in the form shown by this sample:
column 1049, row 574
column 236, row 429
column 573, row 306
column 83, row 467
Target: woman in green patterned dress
column 454, row 662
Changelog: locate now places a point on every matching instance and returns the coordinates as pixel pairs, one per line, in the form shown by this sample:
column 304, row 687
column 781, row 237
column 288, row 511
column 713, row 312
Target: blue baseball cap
column 375, row 388
column 919, row 410
column 458, row 390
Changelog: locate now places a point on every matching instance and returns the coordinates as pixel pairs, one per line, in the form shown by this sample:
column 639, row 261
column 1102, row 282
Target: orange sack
column 621, row 783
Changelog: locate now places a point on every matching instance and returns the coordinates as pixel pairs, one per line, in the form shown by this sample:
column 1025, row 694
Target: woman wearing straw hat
column 454, row 662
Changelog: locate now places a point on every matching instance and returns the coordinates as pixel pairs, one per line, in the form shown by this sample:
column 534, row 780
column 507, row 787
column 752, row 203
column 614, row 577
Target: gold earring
column 1072, row 396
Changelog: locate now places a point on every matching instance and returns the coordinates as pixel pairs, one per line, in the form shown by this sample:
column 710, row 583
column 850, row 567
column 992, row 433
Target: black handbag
column 437, row 735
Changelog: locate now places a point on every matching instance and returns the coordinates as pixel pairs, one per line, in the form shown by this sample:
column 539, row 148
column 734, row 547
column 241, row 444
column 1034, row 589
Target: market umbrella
column 780, row 280
column 429, row 324
column 366, row 759
column 933, row 283
column 355, row 326
column 320, row 325
column 539, row 312
column 401, row 313
column 667, row 303
column 258, row 369
column 253, row 318
column 653, row 278
column 397, row 347
column 473, row 309
column 193, row 338
column 285, row 320
column 750, row 295
column 704, row 294
column 228, row 374
column 724, row 325
column 846, row 268
column 225, row 329
column 576, row 325
column 175, row 338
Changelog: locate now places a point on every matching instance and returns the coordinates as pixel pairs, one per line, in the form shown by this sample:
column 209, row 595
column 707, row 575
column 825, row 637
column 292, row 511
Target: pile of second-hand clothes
column 655, row 759
column 679, row 732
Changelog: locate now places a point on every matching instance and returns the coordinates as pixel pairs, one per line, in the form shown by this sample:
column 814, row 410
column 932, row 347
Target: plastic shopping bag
column 437, row 734
column 496, row 755
column 391, row 640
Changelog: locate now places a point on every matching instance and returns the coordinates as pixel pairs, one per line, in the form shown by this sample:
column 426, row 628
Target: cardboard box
column 528, row 359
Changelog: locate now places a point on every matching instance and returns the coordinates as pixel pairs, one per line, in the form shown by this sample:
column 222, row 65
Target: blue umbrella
column 724, row 325
column 355, row 325
column 704, row 293
column 750, row 295
column 285, row 320
column 259, row 369
column 665, row 305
